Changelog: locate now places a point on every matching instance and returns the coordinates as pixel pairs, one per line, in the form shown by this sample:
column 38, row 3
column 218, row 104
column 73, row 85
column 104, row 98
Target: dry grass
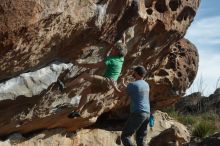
column 201, row 125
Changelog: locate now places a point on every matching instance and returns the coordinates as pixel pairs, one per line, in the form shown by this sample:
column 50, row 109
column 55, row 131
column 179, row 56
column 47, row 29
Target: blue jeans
column 136, row 123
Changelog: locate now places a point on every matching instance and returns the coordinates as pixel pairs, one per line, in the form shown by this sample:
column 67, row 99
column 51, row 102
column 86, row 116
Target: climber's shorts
column 101, row 84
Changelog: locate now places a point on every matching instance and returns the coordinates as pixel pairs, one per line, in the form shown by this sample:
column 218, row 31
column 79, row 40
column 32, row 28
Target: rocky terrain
column 165, row 127
column 196, row 103
column 40, row 41
column 204, row 110
column 213, row 140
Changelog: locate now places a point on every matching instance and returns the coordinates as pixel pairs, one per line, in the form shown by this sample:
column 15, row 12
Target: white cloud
column 208, row 74
column 205, row 31
column 205, row 34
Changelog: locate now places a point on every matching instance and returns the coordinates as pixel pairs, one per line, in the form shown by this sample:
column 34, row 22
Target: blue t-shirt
column 138, row 91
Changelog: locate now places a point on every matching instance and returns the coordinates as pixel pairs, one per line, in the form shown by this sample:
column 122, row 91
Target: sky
column 204, row 32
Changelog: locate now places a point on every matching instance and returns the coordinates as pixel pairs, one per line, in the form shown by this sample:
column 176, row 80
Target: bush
column 210, row 116
column 173, row 114
column 187, row 119
column 201, row 125
column 203, row 129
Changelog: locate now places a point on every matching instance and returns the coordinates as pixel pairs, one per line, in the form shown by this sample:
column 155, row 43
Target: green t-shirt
column 114, row 67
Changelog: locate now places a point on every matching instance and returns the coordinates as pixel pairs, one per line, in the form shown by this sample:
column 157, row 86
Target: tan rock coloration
column 100, row 137
column 35, row 33
column 169, row 137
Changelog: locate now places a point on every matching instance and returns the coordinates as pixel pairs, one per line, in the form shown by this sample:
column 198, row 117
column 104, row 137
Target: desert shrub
column 203, row 129
column 173, row 114
column 187, row 119
column 209, row 116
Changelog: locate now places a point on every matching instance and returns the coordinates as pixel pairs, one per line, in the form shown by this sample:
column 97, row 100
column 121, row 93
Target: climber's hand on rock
column 122, row 79
column 80, row 61
column 123, row 82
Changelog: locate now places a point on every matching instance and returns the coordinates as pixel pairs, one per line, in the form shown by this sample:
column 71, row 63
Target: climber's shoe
column 74, row 114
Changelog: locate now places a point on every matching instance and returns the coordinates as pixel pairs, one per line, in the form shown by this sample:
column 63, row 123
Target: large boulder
column 39, row 39
column 170, row 137
column 109, row 136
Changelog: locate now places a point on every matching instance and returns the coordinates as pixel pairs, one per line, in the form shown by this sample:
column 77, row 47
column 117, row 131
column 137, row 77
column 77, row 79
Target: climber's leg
column 99, row 84
column 83, row 100
column 79, row 79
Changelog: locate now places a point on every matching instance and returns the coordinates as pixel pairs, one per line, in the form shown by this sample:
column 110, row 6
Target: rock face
column 175, row 74
column 196, row 103
column 166, row 130
column 38, row 38
column 100, row 137
column 169, row 137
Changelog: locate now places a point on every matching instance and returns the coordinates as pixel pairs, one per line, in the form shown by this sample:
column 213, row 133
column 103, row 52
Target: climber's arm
column 100, row 64
column 120, row 92
column 106, row 51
